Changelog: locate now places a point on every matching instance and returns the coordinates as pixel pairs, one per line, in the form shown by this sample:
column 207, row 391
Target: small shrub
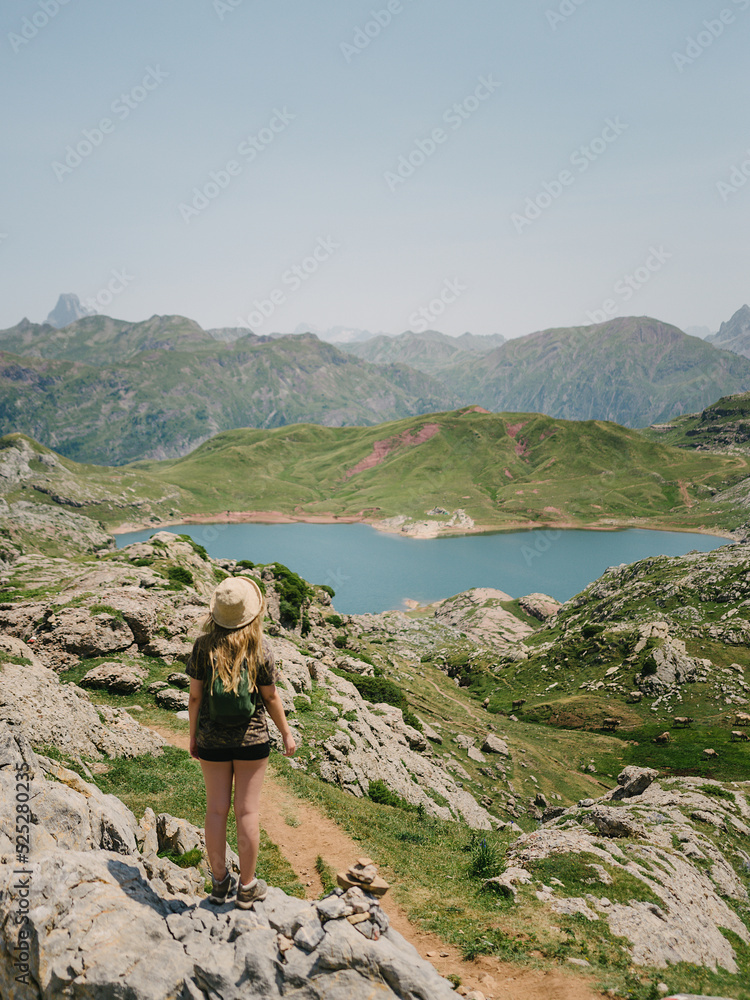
column 340, row 641
column 190, row 859
column 245, row 564
column 293, row 593
column 411, row 720
column 336, row 620
column 143, row 561
column 380, row 792
column 106, row 609
column 589, row 631
column 329, row 590
column 196, row 547
column 179, row 575
column 486, row 860
column 717, row 791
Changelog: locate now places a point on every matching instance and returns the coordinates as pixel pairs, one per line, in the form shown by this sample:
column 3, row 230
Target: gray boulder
column 172, row 699
column 493, row 744
column 633, row 781
column 119, row 678
column 616, row 822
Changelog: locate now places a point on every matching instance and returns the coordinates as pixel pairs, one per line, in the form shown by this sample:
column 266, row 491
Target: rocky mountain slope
column 632, row 370
column 734, row 335
column 67, row 310
column 722, row 427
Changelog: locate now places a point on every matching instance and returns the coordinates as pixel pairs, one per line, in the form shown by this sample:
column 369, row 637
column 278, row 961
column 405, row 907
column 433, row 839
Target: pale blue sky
column 221, row 72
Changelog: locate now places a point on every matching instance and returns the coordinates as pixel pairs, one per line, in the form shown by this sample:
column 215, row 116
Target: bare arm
column 275, row 709
column 194, row 704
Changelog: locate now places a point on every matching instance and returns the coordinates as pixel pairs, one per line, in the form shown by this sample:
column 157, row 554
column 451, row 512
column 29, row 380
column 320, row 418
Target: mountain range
column 107, row 390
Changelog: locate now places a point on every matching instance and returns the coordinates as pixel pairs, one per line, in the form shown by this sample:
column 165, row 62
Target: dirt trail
column 313, row 834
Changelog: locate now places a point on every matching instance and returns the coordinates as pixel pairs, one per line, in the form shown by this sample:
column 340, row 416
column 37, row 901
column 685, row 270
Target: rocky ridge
column 681, row 840
column 97, row 910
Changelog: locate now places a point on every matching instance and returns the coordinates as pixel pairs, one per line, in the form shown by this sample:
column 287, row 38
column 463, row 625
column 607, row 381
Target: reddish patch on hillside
column 522, row 449
column 474, row 409
column 381, row 449
column 553, row 510
column 508, row 473
column 513, row 429
column 547, row 434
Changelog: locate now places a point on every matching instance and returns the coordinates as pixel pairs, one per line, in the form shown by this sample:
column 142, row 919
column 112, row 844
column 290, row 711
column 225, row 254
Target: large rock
column 98, row 928
column 493, row 744
column 34, row 701
column 540, row 606
column 65, row 810
column 172, row 699
column 116, row 677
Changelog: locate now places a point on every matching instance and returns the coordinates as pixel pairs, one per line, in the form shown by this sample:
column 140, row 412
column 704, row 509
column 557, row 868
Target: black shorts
column 258, row 751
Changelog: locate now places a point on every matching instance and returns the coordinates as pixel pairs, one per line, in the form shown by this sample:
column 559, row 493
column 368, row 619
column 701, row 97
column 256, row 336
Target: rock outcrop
column 33, row 701
column 84, row 913
column 480, row 614
column 674, row 907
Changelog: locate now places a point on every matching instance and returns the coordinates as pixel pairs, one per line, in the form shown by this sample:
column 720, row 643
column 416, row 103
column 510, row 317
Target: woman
column 230, row 665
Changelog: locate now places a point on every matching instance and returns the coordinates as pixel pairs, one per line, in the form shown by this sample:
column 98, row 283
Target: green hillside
column 502, row 469
column 723, row 426
column 162, row 402
column 633, row 370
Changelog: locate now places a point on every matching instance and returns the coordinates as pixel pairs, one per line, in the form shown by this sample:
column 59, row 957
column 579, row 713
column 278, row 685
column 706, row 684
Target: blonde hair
column 226, row 649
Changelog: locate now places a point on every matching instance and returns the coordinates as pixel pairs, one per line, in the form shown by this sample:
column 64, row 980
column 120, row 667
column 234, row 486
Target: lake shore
column 441, row 531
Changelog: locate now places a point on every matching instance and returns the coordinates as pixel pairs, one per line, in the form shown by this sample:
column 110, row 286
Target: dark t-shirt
column 212, row 735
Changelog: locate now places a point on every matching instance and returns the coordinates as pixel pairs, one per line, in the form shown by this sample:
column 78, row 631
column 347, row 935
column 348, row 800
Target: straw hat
column 236, row 602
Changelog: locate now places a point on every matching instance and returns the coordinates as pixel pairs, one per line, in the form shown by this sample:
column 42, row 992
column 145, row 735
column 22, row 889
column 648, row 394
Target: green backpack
column 230, row 708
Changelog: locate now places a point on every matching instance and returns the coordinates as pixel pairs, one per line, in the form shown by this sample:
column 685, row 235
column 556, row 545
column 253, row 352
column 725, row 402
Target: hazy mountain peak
column 67, row 310
column 734, row 335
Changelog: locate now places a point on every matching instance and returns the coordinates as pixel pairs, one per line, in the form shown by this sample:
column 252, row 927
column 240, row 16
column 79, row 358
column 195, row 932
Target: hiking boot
column 246, row 897
column 220, row 890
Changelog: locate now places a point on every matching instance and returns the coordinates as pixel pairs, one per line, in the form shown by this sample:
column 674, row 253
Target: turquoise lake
column 374, row 571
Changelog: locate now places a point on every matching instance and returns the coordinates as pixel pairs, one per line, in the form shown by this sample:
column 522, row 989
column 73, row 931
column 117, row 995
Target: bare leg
column 218, row 778
column 248, row 781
